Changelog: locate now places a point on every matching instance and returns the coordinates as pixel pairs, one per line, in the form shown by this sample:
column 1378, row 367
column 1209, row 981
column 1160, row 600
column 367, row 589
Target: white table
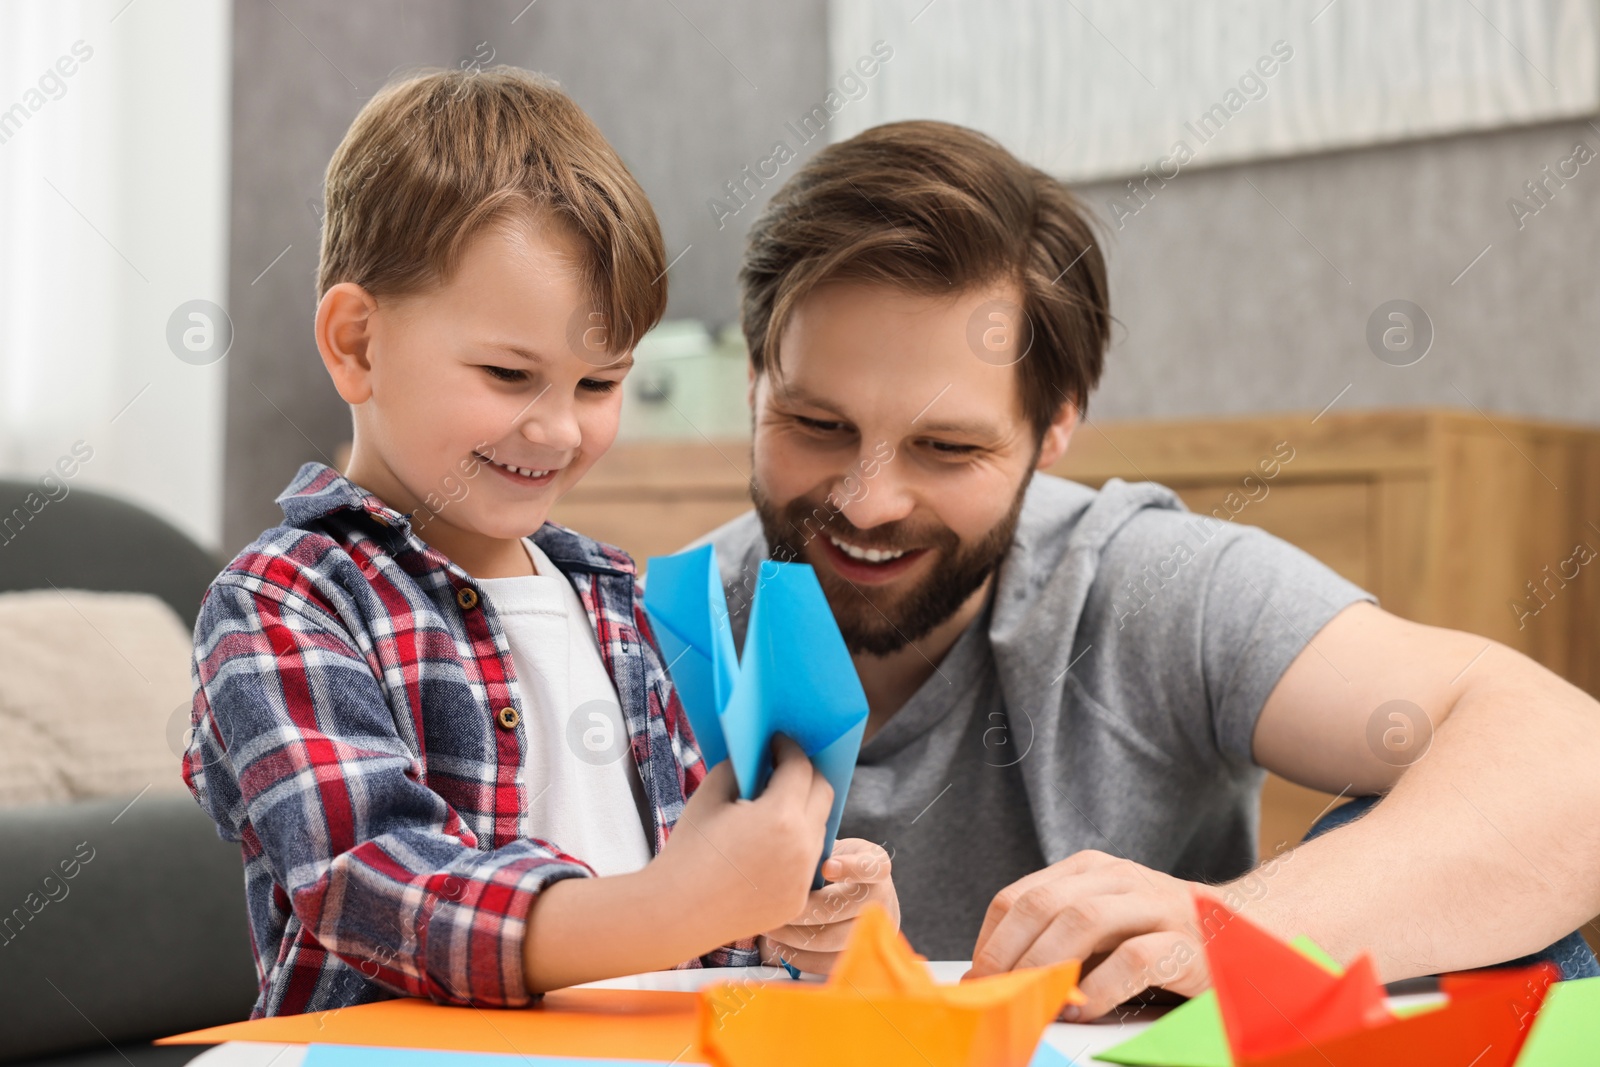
column 1078, row 1041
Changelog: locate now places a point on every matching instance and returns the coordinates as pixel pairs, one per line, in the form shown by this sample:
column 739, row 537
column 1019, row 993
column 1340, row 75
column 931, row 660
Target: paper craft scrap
column 618, row 1023
column 1280, row 1009
column 1047, row 1055
column 879, row 1006
column 795, row 676
column 1191, row 1035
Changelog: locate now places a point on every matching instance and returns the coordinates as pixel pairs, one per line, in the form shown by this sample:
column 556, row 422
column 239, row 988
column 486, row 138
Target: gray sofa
column 118, row 924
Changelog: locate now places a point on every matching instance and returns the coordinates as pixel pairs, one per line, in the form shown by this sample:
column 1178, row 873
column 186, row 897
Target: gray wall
column 1236, row 299
column 302, row 70
column 1231, row 299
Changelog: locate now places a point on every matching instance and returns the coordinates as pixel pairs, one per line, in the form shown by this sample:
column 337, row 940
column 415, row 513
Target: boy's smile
column 472, row 411
column 525, row 476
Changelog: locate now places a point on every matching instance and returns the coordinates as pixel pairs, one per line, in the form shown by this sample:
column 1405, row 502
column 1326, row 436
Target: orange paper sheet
column 880, row 1006
column 608, row 1023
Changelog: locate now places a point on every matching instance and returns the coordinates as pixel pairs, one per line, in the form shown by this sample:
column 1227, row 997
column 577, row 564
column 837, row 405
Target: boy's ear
column 1058, row 434
column 344, row 332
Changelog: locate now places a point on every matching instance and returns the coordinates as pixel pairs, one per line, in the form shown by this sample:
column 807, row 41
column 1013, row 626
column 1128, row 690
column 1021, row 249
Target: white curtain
column 1092, row 89
column 114, row 122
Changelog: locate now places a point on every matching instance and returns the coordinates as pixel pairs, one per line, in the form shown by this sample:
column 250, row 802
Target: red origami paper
column 1282, row 1010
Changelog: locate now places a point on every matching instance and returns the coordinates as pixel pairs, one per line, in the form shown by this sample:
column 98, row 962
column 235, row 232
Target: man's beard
column 872, row 619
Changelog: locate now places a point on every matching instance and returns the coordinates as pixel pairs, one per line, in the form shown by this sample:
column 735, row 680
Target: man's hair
column 931, row 208
column 436, row 157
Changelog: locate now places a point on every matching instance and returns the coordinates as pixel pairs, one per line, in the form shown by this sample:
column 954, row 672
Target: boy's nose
column 556, row 430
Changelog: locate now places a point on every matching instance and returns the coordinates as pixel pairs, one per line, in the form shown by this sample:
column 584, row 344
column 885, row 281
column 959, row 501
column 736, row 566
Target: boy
column 451, row 753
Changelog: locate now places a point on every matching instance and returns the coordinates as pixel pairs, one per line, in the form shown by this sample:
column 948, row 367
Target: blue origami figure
column 795, row 677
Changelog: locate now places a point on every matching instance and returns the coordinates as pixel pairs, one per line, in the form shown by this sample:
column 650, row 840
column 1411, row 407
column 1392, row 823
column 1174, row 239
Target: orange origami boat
column 880, row 1007
column 1282, row 1010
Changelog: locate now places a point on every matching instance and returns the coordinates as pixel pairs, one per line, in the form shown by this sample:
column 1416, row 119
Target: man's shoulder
column 740, row 544
column 1060, row 516
column 742, row 532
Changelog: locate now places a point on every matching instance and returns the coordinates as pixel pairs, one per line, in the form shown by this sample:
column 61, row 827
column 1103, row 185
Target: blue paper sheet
column 689, row 612
column 795, row 677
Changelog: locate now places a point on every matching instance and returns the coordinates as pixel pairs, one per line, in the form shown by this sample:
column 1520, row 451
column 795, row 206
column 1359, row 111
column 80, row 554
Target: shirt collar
column 318, row 491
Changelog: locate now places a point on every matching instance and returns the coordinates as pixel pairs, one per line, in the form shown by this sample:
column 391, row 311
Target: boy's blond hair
column 434, row 158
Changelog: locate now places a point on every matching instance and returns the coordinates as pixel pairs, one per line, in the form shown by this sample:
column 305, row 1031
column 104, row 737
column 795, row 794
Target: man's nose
column 867, row 501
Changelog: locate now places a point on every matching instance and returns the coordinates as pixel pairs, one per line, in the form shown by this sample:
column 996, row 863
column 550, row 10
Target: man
column 1073, row 692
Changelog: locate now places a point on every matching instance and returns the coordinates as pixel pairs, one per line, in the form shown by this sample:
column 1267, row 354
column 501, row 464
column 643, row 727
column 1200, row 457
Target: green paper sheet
column 1567, row 1030
column 1191, row 1035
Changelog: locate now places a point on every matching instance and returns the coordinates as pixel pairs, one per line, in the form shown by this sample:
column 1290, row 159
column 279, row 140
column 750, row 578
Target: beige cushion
column 94, row 696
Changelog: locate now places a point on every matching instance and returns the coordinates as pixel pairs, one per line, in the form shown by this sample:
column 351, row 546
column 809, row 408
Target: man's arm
column 1487, row 847
column 1488, row 844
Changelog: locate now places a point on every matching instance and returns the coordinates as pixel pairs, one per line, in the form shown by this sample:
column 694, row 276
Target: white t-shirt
column 584, row 793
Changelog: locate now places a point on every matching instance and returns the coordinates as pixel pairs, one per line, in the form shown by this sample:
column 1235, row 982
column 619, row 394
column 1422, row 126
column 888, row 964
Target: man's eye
column 506, row 374
column 820, row 425
column 598, row 385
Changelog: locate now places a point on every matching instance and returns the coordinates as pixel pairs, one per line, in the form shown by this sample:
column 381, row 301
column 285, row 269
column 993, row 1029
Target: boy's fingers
column 819, row 802
column 719, row 783
column 795, row 779
column 792, row 773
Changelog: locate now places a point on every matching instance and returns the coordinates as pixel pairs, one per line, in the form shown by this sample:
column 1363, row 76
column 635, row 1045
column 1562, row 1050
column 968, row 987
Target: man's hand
column 1134, row 925
column 859, row 875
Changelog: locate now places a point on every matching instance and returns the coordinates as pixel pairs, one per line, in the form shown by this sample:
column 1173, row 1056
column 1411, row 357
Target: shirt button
column 508, row 718
column 467, row 597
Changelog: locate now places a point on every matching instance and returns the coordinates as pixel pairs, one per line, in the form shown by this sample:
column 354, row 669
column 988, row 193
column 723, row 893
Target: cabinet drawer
column 1330, row 520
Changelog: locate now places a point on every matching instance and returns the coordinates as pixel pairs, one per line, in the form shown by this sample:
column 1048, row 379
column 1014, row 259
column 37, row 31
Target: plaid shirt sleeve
column 296, row 752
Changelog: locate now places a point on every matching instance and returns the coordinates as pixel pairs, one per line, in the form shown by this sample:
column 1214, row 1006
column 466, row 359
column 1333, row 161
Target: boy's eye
column 506, row 374
column 598, row 385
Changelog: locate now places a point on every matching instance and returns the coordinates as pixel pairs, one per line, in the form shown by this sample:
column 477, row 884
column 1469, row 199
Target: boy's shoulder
column 332, row 537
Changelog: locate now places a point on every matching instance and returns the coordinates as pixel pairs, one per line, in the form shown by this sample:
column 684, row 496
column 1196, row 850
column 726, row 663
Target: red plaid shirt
column 349, row 734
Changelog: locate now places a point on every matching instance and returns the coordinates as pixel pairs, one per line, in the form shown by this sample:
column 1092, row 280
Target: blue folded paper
column 795, row 677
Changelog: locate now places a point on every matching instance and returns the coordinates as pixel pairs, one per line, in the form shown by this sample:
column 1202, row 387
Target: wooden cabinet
column 1482, row 523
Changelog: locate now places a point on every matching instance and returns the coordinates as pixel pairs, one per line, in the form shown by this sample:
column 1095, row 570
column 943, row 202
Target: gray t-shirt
column 1175, row 627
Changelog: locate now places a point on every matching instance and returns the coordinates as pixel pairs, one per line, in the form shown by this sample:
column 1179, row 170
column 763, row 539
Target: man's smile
column 869, row 566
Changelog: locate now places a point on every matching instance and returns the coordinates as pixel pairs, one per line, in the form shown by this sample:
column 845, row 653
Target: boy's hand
column 814, row 939
column 739, row 866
